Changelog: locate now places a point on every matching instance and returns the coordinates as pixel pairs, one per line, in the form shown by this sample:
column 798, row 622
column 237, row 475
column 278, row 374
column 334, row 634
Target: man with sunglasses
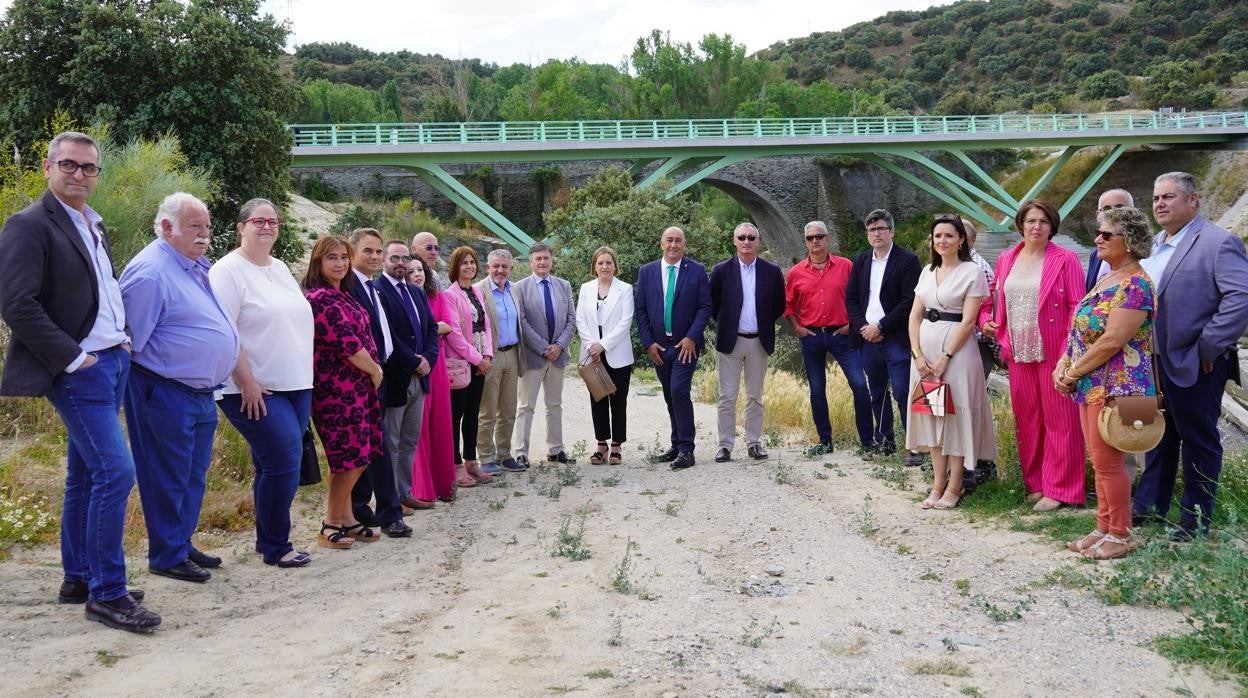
column 1111, row 199
column 815, row 305
column 747, row 298
column 878, row 299
column 425, row 244
column 63, row 306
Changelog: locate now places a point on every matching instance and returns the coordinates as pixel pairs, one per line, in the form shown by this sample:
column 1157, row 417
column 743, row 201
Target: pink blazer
column 1061, row 289
column 459, row 342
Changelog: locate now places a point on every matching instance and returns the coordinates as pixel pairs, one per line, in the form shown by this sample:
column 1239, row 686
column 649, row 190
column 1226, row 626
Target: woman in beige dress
column 942, row 324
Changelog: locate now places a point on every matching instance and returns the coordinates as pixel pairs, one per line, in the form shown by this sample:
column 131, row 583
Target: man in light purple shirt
column 184, row 347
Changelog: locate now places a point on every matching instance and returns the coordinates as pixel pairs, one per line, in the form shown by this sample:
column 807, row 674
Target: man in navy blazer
column 406, row 374
column 1201, row 273
column 1112, row 198
column 747, row 298
column 879, row 297
column 672, row 302
column 378, row 478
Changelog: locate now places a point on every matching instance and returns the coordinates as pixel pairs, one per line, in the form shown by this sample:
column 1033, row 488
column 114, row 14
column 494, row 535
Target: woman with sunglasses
column 268, row 398
column 1038, row 286
column 942, row 322
column 1109, row 352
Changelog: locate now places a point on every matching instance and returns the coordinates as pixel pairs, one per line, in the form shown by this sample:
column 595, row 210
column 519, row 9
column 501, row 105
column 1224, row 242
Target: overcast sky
column 597, row 31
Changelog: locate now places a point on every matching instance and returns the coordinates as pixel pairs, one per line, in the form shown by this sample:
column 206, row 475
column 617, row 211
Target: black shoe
column 757, row 453
column 76, row 592
column 364, row 515
column 203, row 559
column 914, row 459
column 559, row 457
column 866, row 453
column 723, row 455
column 682, row 461
column 1184, row 535
column 186, row 571
column 398, row 529
column 124, row 614
column 524, row 461
column 819, row 449
column 300, row 559
column 1141, row 520
column 666, row 457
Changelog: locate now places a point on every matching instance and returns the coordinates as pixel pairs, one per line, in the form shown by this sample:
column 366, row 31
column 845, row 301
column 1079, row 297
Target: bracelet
column 948, row 355
column 1067, row 374
column 914, row 353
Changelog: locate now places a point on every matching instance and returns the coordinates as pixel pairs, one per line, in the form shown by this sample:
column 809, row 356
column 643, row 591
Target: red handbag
column 932, row 397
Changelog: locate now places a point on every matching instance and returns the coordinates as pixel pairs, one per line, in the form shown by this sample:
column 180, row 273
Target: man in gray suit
column 547, row 322
column 1201, row 275
column 498, row 397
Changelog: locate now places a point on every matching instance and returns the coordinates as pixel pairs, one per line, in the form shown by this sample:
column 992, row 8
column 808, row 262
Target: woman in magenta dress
column 346, row 408
column 433, row 471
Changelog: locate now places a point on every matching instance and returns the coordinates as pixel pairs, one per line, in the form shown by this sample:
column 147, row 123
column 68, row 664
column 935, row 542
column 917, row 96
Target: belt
column 509, row 347
column 933, row 315
column 830, row 329
column 748, row 335
column 148, row 372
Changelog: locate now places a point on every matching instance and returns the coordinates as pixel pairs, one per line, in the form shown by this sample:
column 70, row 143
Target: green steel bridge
column 687, row 151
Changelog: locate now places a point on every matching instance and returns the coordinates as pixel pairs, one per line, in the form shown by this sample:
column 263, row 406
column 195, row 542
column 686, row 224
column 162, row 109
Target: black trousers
column 465, row 411
column 611, row 413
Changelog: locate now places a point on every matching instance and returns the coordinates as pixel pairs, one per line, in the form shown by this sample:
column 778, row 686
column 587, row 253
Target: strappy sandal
column 942, row 504
column 337, row 538
column 600, row 456
column 473, row 469
column 462, row 478
column 1081, row 544
column 362, row 533
column 932, row 497
column 615, row 458
column 1098, row 552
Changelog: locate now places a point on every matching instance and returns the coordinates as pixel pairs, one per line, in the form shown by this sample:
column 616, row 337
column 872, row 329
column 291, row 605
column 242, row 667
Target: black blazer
column 48, row 295
column 901, row 275
column 409, row 345
column 360, row 293
column 726, row 302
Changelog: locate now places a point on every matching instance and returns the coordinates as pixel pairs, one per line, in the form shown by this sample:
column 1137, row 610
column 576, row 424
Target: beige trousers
column 747, row 354
column 548, row 379
column 498, row 408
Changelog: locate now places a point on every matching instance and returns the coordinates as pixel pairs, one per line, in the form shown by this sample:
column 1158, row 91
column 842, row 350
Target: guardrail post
column 580, row 130
column 377, row 133
column 463, row 133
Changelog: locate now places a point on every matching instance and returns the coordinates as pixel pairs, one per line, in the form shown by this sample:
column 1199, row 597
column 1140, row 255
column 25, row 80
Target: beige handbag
column 1133, row 423
column 594, row 373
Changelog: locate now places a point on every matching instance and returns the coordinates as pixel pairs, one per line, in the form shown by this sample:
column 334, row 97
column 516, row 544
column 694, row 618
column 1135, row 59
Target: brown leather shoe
column 124, row 614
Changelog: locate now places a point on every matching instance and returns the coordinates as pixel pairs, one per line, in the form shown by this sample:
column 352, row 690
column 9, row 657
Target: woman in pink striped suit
column 1039, row 285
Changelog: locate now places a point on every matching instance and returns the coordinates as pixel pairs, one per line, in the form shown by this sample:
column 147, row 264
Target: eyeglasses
column 264, row 222
column 744, row 238
column 1106, row 235
column 432, row 248
column 396, row 258
column 878, row 231
column 89, row 169
column 816, row 236
column 1103, row 209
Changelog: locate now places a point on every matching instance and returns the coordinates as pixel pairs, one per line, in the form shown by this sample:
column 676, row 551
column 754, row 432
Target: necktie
column 550, row 312
column 372, row 295
column 410, row 307
column 668, row 299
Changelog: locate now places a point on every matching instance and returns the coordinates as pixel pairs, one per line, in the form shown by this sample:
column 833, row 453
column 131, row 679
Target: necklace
column 266, row 268
column 819, row 265
column 1114, row 276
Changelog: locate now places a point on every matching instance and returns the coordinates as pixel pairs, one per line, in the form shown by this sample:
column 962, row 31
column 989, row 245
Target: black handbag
column 310, row 466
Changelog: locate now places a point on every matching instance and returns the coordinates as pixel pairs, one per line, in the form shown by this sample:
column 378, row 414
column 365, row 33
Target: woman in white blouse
column 268, row 398
column 604, row 318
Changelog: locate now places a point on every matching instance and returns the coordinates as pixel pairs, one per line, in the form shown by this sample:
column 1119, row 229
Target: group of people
column 419, row 381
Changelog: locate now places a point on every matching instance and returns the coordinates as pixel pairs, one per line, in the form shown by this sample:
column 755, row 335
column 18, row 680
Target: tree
column 1109, row 83
column 205, row 70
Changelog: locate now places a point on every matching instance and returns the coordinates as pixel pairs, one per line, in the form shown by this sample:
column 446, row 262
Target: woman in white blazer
column 604, row 319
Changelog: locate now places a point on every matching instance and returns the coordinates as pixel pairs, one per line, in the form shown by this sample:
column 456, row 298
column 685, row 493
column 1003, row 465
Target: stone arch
column 782, row 235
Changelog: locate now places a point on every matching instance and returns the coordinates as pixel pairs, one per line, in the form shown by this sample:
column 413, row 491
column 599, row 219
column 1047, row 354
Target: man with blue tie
column 406, row 374
column 747, row 298
column 1201, row 275
column 547, row 323
column 673, row 305
column 378, row 478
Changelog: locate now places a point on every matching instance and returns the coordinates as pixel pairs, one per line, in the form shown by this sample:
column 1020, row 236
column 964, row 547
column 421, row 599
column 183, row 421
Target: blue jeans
column 276, row 442
column 171, row 428
column 99, row 474
column 676, row 377
column 815, row 348
column 887, row 365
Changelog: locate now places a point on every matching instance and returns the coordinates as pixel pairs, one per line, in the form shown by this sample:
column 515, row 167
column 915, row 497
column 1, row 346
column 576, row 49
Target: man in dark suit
column 879, row 297
column 1112, row 198
column 1201, row 275
column 672, row 305
column 747, row 298
column 378, row 479
column 406, row 377
column 62, row 303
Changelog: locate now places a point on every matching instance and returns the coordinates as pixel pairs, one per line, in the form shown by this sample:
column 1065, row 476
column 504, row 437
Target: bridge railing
column 720, row 129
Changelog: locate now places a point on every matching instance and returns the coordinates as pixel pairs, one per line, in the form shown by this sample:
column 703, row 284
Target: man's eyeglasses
column 89, row 169
column 1103, row 209
column 1106, row 235
column 878, row 231
column 745, row 238
column 432, row 248
column 816, row 236
column 396, row 258
column 264, row 222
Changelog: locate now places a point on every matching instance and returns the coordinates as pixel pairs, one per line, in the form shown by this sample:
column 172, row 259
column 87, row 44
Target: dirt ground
column 832, row 583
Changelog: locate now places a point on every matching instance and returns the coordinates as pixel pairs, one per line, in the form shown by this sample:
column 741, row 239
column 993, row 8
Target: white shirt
column 875, row 309
column 109, row 328
column 748, row 324
column 273, row 318
column 381, row 312
column 1155, row 263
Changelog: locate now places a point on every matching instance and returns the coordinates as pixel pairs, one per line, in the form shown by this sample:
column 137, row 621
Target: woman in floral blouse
column 1110, row 353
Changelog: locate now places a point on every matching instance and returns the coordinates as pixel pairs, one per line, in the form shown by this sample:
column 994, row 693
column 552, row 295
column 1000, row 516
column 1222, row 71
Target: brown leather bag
column 594, row 372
